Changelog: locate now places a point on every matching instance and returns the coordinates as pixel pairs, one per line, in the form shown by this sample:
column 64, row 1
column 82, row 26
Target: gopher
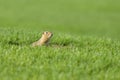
column 45, row 38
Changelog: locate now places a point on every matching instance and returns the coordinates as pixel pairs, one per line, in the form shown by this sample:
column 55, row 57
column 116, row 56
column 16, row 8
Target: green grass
column 83, row 57
column 85, row 44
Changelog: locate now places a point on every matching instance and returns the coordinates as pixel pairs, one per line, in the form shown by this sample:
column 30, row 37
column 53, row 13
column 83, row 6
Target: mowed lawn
column 85, row 44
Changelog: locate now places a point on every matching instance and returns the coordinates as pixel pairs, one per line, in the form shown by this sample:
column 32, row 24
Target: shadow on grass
column 17, row 43
column 14, row 43
column 64, row 44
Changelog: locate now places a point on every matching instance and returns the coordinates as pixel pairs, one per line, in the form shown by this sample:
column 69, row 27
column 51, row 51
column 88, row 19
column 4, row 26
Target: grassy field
column 85, row 45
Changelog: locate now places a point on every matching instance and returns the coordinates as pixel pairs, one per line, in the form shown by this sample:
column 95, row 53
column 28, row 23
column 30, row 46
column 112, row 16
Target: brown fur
column 44, row 39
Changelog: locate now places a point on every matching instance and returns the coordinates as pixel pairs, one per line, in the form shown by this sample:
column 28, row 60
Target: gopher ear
column 42, row 32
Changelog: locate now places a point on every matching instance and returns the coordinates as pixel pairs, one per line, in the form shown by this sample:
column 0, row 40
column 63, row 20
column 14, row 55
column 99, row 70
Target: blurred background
column 86, row 17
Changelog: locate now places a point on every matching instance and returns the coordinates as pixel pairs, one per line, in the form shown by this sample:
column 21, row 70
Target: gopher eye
column 46, row 32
